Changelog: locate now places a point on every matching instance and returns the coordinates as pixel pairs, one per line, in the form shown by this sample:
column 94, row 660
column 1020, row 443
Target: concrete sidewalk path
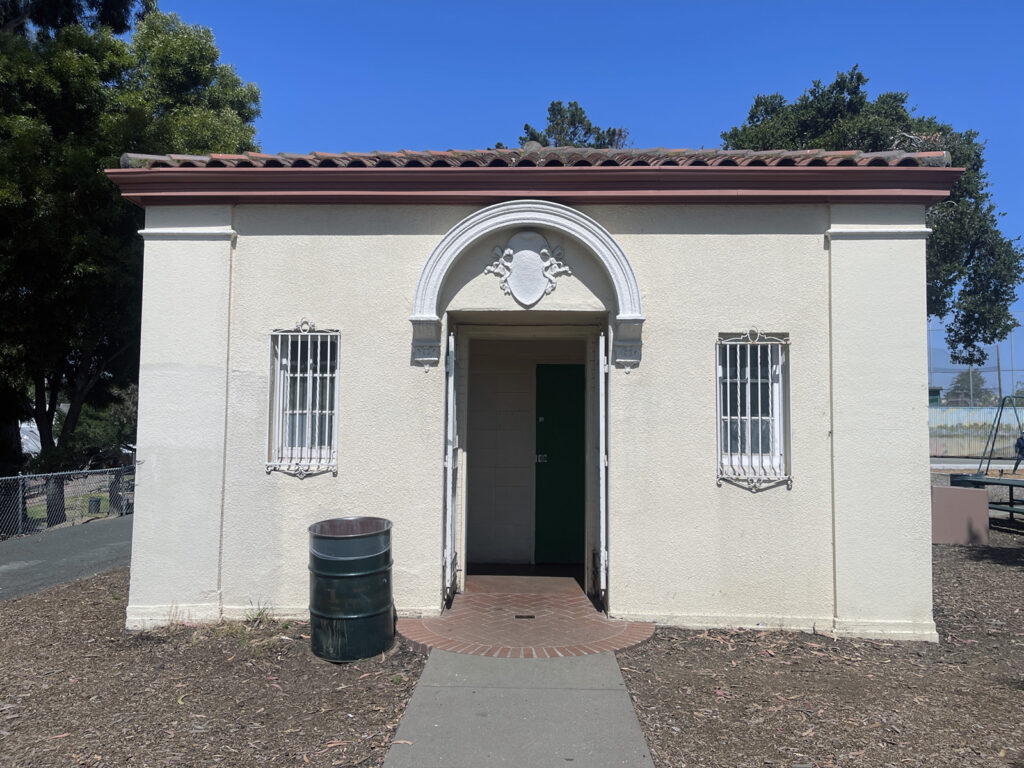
column 479, row 711
column 32, row 563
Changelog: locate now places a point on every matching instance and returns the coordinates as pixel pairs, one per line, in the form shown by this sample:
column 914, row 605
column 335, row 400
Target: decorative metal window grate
column 303, row 432
column 753, row 409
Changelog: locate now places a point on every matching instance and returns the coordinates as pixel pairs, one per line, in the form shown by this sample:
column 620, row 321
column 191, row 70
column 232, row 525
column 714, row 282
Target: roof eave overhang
column 568, row 185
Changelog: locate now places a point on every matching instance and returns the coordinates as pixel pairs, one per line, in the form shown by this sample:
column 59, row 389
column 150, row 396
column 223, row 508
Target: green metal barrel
column 351, row 610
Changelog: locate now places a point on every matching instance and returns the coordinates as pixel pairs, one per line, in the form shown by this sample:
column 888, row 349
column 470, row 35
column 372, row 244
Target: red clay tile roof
column 533, row 156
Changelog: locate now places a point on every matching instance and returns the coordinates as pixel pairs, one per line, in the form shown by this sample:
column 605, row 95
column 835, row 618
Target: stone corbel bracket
column 520, row 214
column 426, row 340
column 627, row 342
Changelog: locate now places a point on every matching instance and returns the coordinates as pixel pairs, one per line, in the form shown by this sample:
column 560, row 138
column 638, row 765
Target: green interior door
column 560, row 465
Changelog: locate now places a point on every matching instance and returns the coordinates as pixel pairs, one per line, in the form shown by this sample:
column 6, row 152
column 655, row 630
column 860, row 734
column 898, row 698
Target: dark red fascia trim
column 572, row 185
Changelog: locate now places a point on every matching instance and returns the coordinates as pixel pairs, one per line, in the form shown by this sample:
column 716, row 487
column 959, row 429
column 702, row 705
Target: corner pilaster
column 183, row 379
column 880, row 500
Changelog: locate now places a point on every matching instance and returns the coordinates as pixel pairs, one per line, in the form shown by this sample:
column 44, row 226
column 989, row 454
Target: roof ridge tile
column 510, row 157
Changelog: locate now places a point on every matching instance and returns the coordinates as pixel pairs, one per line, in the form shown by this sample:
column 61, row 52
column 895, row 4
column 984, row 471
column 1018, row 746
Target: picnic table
column 983, row 481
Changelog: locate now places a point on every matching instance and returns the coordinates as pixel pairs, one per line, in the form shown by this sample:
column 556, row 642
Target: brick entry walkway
column 523, row 617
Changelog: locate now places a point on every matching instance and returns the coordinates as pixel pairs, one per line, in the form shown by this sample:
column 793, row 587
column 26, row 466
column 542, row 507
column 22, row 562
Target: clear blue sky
column 386, row 75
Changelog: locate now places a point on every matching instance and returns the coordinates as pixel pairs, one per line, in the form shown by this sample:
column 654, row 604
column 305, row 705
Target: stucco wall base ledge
column 300, row 612
column 141, row 617
column 294, row 612
column 923, row 631
column 144, row 617
column 418, row 613
column 826, row 625
column 810, row 624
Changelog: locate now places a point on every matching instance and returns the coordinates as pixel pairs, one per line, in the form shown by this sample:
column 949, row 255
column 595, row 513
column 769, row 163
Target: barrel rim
column 374, row 527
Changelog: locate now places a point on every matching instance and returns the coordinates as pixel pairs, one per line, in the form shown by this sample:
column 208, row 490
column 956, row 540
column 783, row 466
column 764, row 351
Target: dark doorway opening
column 526, row 510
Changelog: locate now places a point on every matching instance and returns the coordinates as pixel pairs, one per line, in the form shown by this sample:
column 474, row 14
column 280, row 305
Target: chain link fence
column 34, row 503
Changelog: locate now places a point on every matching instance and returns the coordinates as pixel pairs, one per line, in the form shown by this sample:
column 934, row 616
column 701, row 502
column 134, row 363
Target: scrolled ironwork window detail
column 302, row 436
column 753, row 410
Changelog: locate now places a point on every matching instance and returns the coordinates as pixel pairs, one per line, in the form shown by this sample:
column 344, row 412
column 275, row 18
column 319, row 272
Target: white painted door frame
column 589, row 332
column 601, row 588
column 449, row 580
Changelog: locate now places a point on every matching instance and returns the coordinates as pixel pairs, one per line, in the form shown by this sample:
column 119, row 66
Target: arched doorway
column 537, row 293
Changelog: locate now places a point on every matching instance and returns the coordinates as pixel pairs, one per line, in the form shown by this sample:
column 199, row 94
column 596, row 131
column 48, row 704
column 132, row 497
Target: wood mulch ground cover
column 722, row 698
column 76, row 690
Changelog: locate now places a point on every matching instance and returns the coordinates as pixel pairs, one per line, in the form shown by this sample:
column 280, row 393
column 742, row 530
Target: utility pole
column 1013, row 370
column 999, row 373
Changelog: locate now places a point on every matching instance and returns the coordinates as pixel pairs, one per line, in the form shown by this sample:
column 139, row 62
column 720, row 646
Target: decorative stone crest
column 527, row 267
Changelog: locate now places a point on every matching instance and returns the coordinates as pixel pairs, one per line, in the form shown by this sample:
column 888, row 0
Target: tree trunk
column 13, row 519
column 115, row 496
column 11, row 409
column 56, row 512
column 11, row 457
column 11, row 460
column 43, row 412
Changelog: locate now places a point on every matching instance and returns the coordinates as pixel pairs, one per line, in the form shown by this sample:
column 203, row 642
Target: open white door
column 450, row 455
column 602, row 473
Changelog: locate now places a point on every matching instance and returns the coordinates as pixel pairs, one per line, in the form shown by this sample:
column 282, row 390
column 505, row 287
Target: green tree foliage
column 104, row 432
column 969, row 388
column 973, row 270
column 20, row 16
column 68, row 271
column 178, row 96
column 71, row 102
column 569, row 126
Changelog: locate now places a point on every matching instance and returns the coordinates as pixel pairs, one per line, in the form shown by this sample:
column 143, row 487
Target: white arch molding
column 629, row 318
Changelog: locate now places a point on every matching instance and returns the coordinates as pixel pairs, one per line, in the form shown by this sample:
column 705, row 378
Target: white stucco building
column 698, row 379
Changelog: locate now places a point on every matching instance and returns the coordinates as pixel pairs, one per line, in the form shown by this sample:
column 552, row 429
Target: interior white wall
column 501, row 444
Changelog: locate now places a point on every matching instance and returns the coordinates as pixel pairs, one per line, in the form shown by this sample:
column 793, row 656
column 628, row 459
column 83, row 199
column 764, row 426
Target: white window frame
column 750, row 409
column 302, row 428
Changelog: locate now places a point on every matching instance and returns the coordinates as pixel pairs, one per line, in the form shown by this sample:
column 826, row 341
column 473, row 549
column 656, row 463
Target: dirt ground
column 789, row 699
column 76, row 690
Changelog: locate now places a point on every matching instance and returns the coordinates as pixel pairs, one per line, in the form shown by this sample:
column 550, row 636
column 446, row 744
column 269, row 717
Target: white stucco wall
column 723, row 553
column 332, row 266
column 837, row 552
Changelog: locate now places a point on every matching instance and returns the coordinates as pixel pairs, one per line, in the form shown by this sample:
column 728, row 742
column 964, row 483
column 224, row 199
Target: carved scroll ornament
column 527, row 267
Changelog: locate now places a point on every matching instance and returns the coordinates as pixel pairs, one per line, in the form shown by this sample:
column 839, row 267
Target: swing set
column 1001, row 438
column 1006, row 440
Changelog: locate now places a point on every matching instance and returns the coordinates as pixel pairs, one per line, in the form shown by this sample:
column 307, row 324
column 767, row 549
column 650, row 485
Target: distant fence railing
column 34, row 503
column 962, row 431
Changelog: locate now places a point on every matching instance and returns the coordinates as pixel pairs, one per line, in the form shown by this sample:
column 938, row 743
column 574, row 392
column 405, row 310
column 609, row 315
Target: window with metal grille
column 303, row 432
column 753, row 408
